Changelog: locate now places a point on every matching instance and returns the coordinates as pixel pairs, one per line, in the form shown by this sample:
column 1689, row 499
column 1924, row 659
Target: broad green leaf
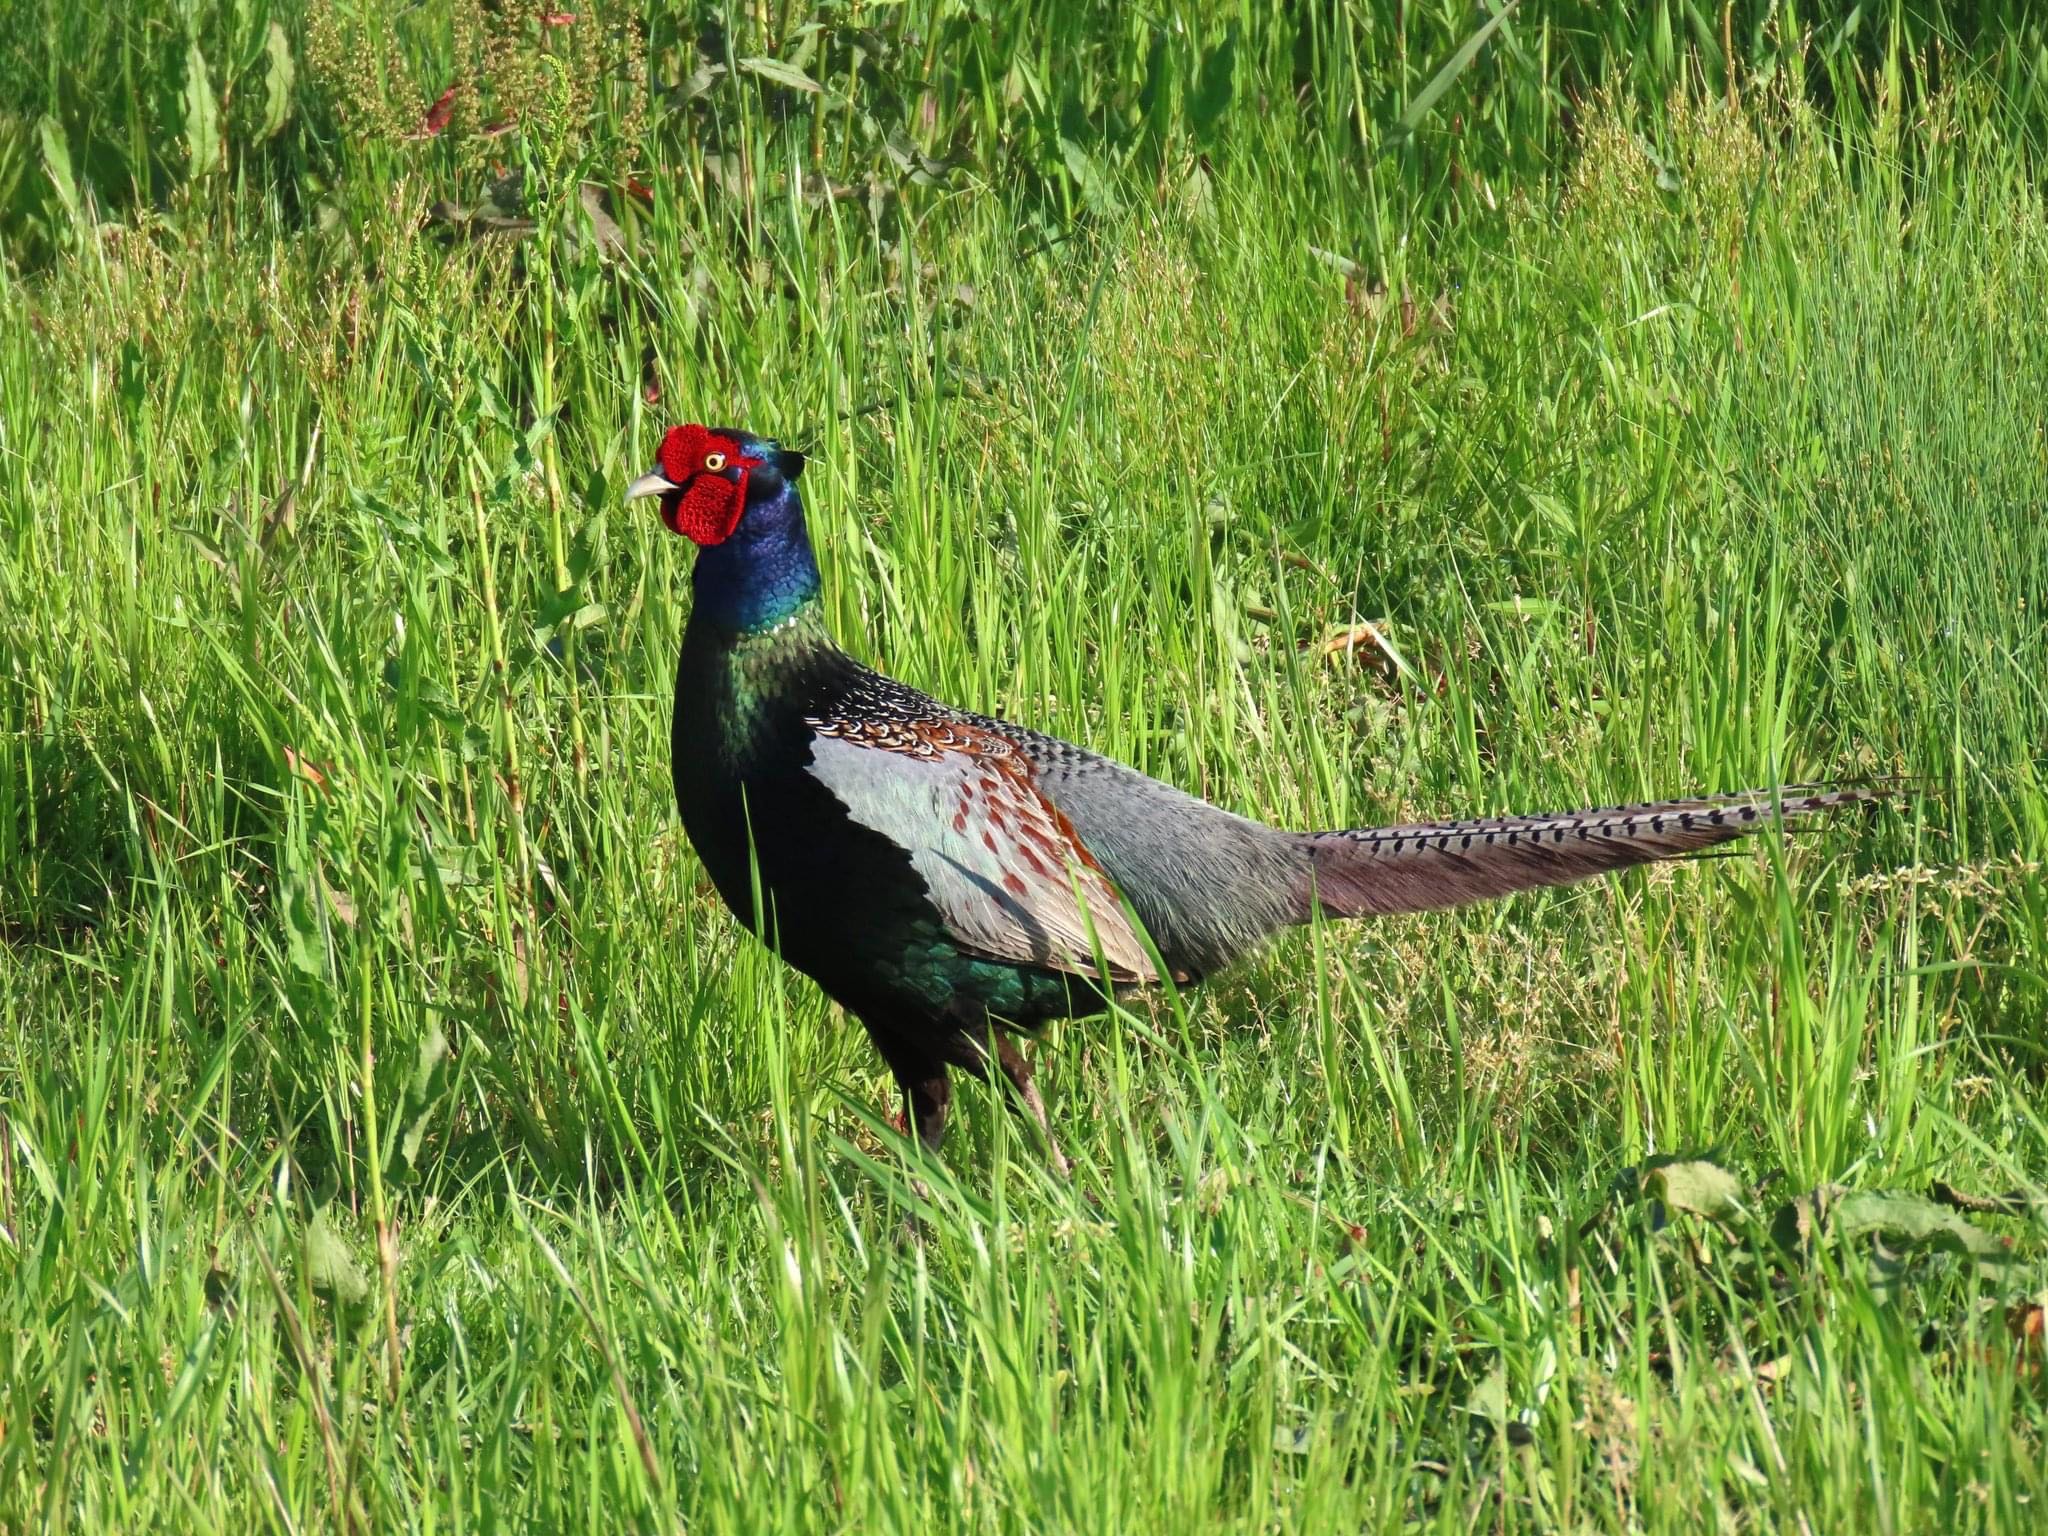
column 570, row 603
column 210, row 548
column 331, row 1268
column 202, row 115
column 920, row 167
column 278, row 78
column 1705, row 1189
column 134, row 377
column 423, row 1093
column 1088, row 176
column 1831, row 1213
column 1915, row 1220
column 433, row 1051
column 57, row 163
column 1488, row 1398
column 305, row 933
column 782, row 74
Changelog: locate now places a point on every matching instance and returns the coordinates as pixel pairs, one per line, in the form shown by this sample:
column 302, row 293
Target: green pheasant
column 953, row 880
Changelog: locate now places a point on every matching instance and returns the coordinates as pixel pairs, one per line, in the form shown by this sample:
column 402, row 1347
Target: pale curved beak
column 653, row 483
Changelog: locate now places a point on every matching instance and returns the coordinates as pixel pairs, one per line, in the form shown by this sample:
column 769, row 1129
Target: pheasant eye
column 714, row 462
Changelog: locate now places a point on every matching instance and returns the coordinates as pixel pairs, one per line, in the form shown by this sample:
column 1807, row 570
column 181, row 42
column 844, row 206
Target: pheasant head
column 707, row 476
column 734, row 496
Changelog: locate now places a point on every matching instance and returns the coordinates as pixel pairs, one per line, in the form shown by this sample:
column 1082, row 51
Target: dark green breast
column 842, row 902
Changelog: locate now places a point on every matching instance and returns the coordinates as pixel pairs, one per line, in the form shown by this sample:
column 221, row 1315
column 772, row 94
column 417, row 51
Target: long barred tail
column 1420, row 868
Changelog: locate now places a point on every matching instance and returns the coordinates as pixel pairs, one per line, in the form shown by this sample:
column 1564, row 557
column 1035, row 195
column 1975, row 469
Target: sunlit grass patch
column 395, row 1130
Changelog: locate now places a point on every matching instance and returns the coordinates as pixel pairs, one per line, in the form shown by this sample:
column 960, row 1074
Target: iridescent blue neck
column 763, row 574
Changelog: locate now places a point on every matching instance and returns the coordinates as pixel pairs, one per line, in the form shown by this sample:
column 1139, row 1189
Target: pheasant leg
column 1018, row 1070
column 928, row 1098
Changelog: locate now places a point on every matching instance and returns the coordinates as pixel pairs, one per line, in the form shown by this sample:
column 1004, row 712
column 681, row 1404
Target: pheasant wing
column 1009, row 875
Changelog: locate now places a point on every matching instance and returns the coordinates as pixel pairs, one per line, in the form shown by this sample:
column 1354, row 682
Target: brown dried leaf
column 313, row 773
column 437, row 116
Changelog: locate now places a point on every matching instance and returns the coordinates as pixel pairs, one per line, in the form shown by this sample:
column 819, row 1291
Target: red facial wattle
column 710, row 475
column 707, row 508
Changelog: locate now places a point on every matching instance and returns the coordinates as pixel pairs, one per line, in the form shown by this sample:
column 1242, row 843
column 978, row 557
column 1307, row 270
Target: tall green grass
column 395, row 1132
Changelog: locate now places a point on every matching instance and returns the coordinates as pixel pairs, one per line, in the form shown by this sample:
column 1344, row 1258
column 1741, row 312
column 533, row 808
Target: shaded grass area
column 397, row 1133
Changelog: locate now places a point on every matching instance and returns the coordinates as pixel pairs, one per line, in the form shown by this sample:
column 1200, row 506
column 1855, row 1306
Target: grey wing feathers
column 1004, row 871
column 1207, row 884
column 1430, row 865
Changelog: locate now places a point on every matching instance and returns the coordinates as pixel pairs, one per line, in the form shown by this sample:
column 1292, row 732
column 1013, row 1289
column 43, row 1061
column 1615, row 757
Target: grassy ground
column 394, row 1132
